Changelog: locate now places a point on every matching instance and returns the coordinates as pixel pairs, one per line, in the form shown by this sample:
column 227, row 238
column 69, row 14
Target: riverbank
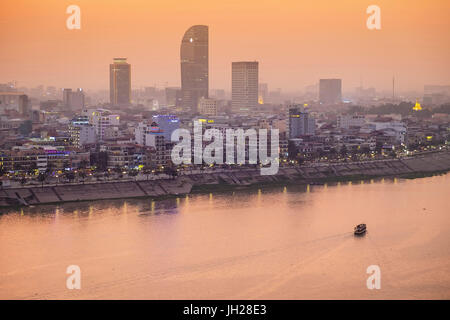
column 413, row 167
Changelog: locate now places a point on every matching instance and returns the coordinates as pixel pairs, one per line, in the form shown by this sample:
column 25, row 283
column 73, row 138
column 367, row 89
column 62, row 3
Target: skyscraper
column 194, row 67
column 330, row 91
column 120, row 82
column 244, row 85
column 73, row 100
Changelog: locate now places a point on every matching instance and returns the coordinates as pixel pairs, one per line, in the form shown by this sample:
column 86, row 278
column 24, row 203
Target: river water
column 291, row 242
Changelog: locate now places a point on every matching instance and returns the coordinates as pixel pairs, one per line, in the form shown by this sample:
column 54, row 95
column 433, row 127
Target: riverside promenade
column 415, row 166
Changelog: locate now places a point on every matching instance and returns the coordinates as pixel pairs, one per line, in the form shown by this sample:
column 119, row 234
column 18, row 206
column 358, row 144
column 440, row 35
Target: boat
column 360, row 229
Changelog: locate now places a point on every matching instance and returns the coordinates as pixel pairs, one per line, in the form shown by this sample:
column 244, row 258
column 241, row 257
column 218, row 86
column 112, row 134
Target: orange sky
column 296, row 41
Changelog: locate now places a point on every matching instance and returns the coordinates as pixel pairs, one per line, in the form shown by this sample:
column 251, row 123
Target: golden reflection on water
column 281, row 242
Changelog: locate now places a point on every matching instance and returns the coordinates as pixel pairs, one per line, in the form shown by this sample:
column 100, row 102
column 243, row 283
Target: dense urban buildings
column 14, row 101
column 330, row 91
column 194, row 67
column 120, row 82
column 244, row 86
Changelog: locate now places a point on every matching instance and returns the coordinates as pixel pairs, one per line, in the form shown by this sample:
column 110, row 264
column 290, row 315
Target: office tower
column 330, row 91
column 194, row 67
column 73, row 100
column 66, row 97
column 207, row 107
column 167, row 124
column 244, row 85
column 77, row 101
column 301, row 123
column 120, row 82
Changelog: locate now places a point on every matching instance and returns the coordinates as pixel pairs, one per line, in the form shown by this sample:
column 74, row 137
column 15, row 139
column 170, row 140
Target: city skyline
column 331, row 42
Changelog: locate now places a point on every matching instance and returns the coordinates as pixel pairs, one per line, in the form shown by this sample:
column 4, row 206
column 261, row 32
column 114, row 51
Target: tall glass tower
column 194, row 67
column 120, row 82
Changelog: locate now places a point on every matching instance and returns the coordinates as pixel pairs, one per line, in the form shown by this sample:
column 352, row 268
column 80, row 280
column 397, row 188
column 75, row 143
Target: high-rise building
column 300, row 122
column 120, row 82
column 330, row 91
column 73, row 100
column 244, row 85
column 194, row 67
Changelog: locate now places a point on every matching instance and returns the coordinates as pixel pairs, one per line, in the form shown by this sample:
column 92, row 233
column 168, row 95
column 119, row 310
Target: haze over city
column 193, row 149
column 295, row 42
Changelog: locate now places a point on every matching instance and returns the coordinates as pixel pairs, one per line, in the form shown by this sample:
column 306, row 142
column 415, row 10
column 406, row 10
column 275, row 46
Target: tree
column 69, row 175
column 379, row 147
column 133, row 173
column 32, row 168
column 83, row 164
column 171, row 171
column 42, row 176
column 82, row 175
column 292, row 150
column 17, row 167
column 50, row 167
column 344, row 151
column 102, row 161
column 117, row 169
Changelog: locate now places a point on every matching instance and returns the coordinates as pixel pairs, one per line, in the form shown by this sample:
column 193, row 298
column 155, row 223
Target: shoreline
column 409, row 168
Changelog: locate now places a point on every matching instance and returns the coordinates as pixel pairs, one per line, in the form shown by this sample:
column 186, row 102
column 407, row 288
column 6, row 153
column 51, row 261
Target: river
column 293, row 242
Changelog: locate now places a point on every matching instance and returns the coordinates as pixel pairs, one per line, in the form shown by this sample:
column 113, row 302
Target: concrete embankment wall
column 423, row 164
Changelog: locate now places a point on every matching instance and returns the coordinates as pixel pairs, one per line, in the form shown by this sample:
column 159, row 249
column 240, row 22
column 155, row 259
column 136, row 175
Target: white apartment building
column 101, row 119
column 149, row 135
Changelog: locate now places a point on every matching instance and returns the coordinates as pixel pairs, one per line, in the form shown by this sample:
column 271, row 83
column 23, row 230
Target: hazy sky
column 296, row 41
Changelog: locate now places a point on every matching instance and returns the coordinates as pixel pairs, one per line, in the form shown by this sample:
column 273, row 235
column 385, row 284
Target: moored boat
column 360, row 229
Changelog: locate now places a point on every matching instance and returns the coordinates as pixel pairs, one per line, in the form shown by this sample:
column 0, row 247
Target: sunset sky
column 296, row 41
